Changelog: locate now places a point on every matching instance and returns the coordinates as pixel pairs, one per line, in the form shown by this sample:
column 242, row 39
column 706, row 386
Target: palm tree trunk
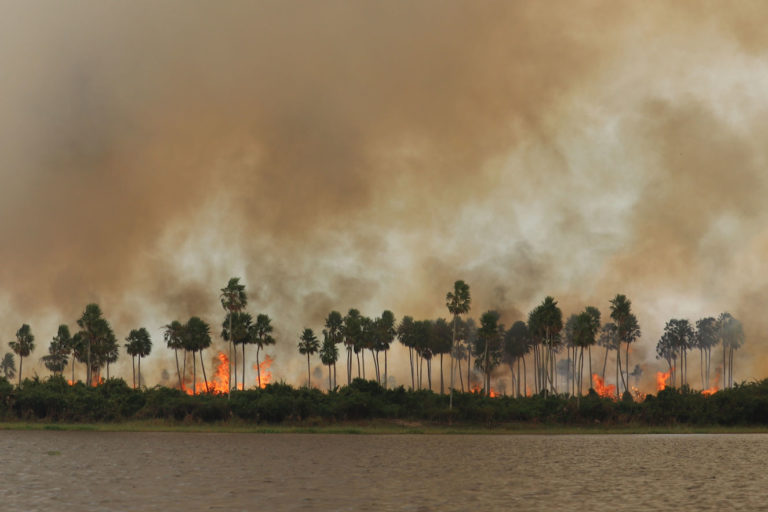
column 229, row 345
column 178, row 370
column 88, row 369
column 21, row 365
column 309, row 375
column 202, row 367
column 329, row 378
column 233, row 364
column 243, row 376
column 442, row 390
column 334, row 374
column 626, row 384
column 386, row 370
column 73, row 367
column 429, row 373
column 605, row 363
column 358, row 361
column 194, row 374
column 358, row 365
column 453, row 347
column 139, row 371
column 461, row 374
column 258, row 366
column 525, row 378
column 133, row 366
column 184, row 371
column 413, row 380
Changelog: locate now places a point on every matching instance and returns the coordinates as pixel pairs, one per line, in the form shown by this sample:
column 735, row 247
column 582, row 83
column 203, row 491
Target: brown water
column 102, row 471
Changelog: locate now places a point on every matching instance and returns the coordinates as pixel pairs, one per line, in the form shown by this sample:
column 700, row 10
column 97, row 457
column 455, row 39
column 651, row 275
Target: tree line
column 553, row 349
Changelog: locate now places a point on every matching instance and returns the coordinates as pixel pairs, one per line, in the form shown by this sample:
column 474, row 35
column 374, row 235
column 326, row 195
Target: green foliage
column 54, row 400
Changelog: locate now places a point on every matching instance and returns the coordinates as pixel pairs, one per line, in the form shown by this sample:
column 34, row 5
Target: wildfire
column 714, row 389
column 96, row 382
column 601, row 389
column 477, row 389
column 263, row 369
column 662, row 379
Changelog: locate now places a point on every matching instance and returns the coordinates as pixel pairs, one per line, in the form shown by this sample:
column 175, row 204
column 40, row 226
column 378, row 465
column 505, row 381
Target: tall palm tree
column 139, row 345
column 732, row 336
column 91, row 325
column 261, row 334
column 628, row 329
column 233, row 300
column 334, row 324
column 490, row 338
column 516, row 346
column 385, row 329
column 23, row 345
column 237, row 330
column 197, row 337
column 352, row 329
column 458, row 303
column 545, row 323
column 111, row 351
column 329, row 354
column 441, row 342
column 308, row 345
column 584, row 332
column 406, row 335
column 173, row 333
column 706, row 338
column 63, row 348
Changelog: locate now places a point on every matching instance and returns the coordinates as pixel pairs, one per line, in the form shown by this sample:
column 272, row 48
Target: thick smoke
column 367, row 154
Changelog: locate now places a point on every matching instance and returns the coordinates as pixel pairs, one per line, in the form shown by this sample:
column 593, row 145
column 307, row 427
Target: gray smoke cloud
column 367, row 154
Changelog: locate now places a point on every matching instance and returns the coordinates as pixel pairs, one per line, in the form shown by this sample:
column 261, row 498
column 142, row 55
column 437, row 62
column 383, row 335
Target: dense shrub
column 55, row 400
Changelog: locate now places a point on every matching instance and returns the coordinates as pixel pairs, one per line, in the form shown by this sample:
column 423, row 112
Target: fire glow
column 601, row 389
column 662, row 379
column 220, row 383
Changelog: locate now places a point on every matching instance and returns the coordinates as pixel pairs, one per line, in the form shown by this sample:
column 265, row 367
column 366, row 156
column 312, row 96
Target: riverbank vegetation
column 54, row 400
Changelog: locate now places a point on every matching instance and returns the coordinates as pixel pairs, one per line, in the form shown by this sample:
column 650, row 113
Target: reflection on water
column 87, row 471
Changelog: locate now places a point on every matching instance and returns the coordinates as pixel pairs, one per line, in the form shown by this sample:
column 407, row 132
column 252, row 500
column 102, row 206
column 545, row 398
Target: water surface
column 106, row 471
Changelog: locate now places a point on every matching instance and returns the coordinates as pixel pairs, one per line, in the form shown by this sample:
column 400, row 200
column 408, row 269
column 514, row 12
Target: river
column 108, row 471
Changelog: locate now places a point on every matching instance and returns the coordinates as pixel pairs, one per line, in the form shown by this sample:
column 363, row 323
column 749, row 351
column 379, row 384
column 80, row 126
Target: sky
column 368, row 154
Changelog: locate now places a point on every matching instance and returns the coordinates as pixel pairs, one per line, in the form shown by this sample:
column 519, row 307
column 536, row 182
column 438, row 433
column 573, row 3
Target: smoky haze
column 367, row 154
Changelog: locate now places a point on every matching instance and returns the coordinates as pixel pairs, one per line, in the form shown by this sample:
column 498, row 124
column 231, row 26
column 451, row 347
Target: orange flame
column 662, row 379
column 477, row 389
column 263, row 367
column 714, row 389
column 601, row 389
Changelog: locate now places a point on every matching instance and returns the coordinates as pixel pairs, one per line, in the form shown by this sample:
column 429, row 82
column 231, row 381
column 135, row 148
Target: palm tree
column 173, row 333
column 63, row 342
column 628, row 330
column 545, row 323
column 233, row 300
column 334, row 323
column 732, row 336
column 111, row 351
column 240, row 334
column 584, row 332
column 442, row 340
column 490, row 346
column 329, row 354
column 706, row 338
column 197, row 337
column 352, row 331
column 23, row 345
column 261, row 334
column 56, row 360
column 385, row 335
column 139, row 345
column 8, row 366
column 91, row 325
column 406, row 335
column 132, row 349
column 458, row 303
column 594, row 314
column 308, row 345
column 516, row 346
